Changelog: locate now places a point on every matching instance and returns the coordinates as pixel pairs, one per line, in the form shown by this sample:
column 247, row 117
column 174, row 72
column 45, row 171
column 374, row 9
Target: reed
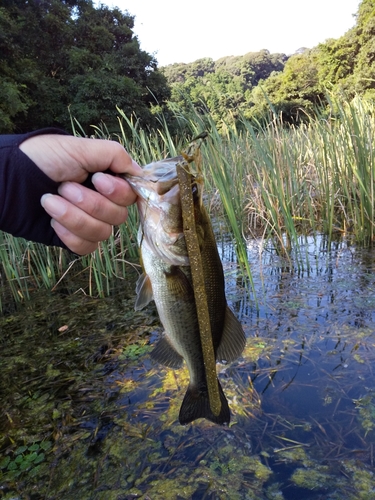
column 275, row 182
column 315, row 178
column 221, row 154
column 26, row 266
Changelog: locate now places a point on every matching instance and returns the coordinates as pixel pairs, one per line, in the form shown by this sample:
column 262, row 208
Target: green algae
column 313, row 479
column 169, row 489
column 295, row 455
column 76, row 374
column 362, row 480
column 134, row 351
column 366, row 408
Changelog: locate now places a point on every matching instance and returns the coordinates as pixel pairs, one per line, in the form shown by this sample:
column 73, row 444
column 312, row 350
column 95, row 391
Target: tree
column 57, row 56
column 345, row 65
column 222, row 88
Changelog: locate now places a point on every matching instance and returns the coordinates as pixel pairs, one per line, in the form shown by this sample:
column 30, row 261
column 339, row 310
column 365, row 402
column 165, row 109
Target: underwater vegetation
column 85, row 413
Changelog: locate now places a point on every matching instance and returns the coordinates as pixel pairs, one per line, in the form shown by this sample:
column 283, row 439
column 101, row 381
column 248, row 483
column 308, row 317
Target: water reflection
column 317, row 323
column 302, row 396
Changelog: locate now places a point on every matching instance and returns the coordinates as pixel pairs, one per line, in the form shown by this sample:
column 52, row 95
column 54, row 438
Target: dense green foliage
column 62, row 58
column 223, row 87
column 343, row 66
column 249, row 86
column 57, row 56
column 273, row 182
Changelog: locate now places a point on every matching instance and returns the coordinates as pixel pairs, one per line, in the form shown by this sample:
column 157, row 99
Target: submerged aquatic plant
column 366, row 409
column 24, row 460
column 318, row 478
column 76, row 373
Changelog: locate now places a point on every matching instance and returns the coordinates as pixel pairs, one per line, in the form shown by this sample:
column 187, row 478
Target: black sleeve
column 22, row 184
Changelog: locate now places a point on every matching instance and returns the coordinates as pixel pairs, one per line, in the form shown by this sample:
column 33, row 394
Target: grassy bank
column 315, row 178
column 273, row 182
column 26, row 266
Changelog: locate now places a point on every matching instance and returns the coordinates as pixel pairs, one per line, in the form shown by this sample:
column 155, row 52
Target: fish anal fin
column 143, row 289
column 165, row 354
column 197, row 405
column 233, row 339
column 178, row 283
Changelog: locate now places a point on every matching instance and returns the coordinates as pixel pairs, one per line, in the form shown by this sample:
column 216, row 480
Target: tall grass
column 275, row 182
column 315, row 178
column 26, row 266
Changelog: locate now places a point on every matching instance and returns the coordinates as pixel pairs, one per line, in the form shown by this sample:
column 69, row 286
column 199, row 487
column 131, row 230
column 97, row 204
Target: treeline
column 66, row 56
column 345, row 66
column 254, row 84
column 63, row 58
column 223, row 87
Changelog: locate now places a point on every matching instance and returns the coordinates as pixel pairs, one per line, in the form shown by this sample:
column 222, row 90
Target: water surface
column 86, row 414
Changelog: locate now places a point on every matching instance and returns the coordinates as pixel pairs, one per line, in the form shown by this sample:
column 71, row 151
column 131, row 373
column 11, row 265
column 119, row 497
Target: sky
column 175, row 31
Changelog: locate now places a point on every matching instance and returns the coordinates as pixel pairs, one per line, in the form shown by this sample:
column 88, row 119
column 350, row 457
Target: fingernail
column 136, row 166
column 54, row 205
column 71, row 192
column 103, row 183
column 61, row 228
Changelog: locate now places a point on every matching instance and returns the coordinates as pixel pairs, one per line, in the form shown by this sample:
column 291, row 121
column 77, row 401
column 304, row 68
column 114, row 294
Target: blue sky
column 185, row 31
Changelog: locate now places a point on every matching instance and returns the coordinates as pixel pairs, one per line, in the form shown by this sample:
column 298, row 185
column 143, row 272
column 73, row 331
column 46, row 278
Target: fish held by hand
column 167, row 279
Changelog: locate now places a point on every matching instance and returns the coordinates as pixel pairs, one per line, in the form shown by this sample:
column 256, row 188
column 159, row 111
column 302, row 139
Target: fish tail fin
column 196, row 404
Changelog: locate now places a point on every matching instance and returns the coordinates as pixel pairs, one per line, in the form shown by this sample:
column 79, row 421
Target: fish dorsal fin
column 143, row 290
column 165, row 354
column 233, row 339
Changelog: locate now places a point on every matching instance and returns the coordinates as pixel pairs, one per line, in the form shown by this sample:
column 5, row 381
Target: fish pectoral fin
column 165, row 354
column 178, row 283
column 143, row 290
column 196, row 404
column 233, row 340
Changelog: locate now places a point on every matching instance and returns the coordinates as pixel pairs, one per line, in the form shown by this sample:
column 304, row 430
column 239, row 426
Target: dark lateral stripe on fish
column 197, row 405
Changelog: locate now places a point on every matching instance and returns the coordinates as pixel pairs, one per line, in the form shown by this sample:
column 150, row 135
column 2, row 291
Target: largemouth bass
column 167, row 279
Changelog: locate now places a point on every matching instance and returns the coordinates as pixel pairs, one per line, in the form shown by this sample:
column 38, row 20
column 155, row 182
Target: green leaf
column 21, row 449
column 19, row 459
column 4, row 462
column 25, row 465
column 31, row 456
column 12, row 466
column 34, row 471
column 45, row 445
column 13, row 474
column 39, row 458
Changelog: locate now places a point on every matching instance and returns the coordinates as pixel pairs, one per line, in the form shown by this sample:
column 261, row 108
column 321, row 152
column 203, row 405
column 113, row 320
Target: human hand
column 82, row 217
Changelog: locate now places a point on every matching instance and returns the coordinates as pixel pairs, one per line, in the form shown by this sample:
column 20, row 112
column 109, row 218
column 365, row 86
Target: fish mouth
column 159, row 206
column 159, row 183
column 157, row 179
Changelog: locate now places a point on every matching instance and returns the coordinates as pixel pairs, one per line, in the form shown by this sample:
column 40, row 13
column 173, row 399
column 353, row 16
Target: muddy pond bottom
column 85, row 414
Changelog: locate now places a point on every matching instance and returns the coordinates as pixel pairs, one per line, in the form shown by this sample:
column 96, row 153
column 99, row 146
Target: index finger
column 68, row 158
column 101, row 155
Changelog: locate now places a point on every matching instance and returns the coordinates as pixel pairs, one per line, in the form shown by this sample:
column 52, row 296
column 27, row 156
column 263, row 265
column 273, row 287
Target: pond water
column 86, row 414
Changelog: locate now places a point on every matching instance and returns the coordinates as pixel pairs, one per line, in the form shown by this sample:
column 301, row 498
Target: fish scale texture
column 166, row 264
